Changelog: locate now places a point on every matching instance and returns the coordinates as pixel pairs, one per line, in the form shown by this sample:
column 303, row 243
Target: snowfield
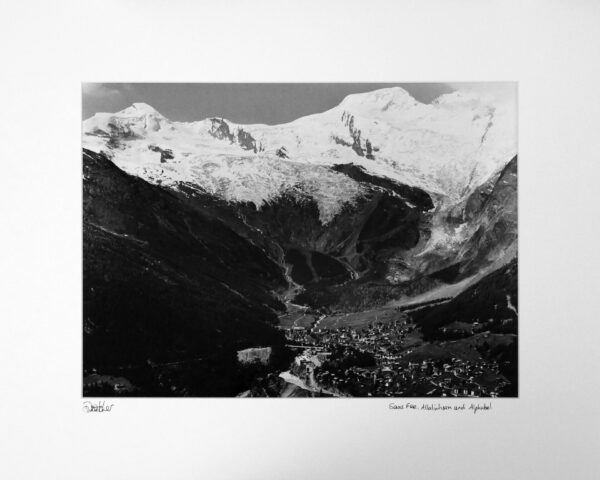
column 448, row 147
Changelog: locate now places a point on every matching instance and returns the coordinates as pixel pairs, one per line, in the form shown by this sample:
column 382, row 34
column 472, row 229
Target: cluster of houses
column 427, row 378
column 395, row 373
column 379, row 337
column 442, row 378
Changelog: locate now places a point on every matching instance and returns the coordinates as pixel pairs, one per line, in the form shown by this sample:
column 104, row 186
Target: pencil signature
column 97, row 407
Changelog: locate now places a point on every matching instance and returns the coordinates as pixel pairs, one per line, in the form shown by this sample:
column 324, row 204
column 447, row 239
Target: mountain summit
column 139, row 108
column 448, row 148
column 393, row 98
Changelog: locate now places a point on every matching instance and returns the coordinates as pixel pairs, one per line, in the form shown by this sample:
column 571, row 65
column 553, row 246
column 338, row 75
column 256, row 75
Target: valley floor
column 390, row 358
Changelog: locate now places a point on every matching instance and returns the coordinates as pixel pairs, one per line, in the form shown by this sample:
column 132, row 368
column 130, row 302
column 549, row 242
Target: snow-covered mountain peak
column 447, row 148
column 377, row 101
column 139, row 109
column 134, row 121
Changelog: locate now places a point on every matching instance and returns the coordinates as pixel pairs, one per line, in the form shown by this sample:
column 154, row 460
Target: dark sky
column 269, row 103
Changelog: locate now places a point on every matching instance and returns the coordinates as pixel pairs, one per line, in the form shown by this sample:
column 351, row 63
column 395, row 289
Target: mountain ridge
column 422, row 145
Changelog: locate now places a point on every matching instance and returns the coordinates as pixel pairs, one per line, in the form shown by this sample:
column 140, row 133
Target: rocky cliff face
column 220, row 130
column 495, row 217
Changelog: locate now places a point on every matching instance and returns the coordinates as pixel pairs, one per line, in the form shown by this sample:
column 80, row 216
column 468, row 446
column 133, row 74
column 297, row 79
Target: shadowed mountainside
column 491, row 307
column 496, row 216
column 166, row 288
column 349, row 254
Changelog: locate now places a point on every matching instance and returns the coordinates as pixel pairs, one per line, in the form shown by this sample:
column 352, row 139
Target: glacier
column 448, row 148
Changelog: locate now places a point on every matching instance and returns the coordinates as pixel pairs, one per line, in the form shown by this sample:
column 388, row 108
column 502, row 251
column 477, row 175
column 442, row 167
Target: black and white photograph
column 316, row 240
column 300, row 240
